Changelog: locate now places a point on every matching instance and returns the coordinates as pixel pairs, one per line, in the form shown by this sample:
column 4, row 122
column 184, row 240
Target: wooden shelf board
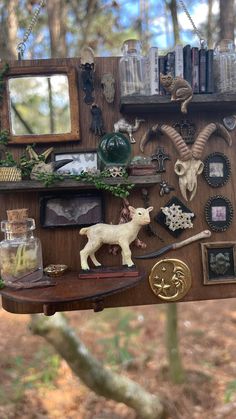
column 211, row 102
column 68, row 288
column 32, row 185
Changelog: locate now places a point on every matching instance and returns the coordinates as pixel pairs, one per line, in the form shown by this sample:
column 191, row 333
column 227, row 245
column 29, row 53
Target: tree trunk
column 8, row 30
column 57, row 27
column 84, row 20
column 101, row 380
column 172, row 6
column 175, row 367
column 144, row 25
column 209, row 25
column 227, row 19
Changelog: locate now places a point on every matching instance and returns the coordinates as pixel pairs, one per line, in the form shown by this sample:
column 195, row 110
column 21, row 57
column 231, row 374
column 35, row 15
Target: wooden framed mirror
column 41, row 103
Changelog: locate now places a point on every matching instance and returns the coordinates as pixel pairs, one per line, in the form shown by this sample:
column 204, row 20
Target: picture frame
column 81, row 161
column 22, row 71
column 219, row 262
column 219, row 213
column 217, row 169
column 71, row 209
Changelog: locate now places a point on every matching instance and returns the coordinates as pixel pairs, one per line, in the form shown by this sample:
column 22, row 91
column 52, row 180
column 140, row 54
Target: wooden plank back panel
column 62, row 245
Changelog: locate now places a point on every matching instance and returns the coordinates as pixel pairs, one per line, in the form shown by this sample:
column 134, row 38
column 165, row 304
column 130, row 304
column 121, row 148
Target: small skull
column 108, row 87
column 188, row 171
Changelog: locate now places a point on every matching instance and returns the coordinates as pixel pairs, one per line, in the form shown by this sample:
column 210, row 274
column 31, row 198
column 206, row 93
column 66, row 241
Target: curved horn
column 222, row 132
column 203, row 136
column 32, row 153
column 177, row 140
column 147, row 136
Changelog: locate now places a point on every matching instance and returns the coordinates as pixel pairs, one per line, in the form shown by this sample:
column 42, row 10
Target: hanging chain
column 203, row 42
column 22, row 45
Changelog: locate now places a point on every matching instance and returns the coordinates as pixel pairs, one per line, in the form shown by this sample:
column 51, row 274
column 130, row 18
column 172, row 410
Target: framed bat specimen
column 70, row 209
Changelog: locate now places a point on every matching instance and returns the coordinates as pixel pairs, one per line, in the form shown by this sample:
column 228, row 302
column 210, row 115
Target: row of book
column 191, row 63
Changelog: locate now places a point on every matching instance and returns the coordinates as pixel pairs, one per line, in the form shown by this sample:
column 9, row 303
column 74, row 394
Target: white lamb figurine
column 121, row 234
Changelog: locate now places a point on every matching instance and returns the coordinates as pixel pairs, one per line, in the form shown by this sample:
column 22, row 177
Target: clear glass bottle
column 225, row 67
column 20, row 253
column 131, row 69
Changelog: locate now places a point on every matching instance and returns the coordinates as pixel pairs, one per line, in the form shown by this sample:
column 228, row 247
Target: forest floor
column 36, row 384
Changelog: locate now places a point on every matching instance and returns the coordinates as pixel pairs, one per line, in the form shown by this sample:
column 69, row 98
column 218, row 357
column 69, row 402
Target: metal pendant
column 170, row 279
column 186, row 129
column 160, row 157
column 230, row 122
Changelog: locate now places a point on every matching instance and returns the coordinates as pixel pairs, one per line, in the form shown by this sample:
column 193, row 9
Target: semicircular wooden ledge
column 69, row 288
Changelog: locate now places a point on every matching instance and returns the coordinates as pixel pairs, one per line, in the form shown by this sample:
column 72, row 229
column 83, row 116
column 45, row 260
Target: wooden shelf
column 68, row 288
column 209, row 102
column 32, row 185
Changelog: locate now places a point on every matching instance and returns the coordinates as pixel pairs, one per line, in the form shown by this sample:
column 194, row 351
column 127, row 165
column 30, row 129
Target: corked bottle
column 225, row 67
column 20, row 252
column 131, row 69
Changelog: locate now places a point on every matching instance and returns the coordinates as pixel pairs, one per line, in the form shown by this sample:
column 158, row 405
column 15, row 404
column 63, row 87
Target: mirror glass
column 39, row 105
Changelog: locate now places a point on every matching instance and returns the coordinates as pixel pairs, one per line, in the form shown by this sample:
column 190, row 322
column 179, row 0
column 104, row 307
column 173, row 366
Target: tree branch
column 101, row 380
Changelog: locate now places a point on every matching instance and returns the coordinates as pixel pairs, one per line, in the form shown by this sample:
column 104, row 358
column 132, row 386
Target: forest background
column 148, row 376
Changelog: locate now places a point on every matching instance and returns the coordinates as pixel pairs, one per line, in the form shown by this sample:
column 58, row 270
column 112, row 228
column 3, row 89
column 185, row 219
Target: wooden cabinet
column 62, row 245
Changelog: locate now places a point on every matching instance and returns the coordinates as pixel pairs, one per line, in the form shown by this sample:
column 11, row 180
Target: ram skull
column 189, row 165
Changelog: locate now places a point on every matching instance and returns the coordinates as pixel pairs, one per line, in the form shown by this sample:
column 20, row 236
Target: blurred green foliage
column 40, row 371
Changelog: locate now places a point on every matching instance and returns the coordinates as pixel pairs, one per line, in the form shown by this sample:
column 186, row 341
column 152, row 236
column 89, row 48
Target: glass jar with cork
column 20, row 252
column 225, row 66
column 131, row 69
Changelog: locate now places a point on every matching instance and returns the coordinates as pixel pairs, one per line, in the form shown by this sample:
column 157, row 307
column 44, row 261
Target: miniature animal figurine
column 180, row 89
column 121, row 234
column 40, row 165
column 124, row 218
column 165, row 188
column 108, row 87
column 123, row 126
column 189, row 165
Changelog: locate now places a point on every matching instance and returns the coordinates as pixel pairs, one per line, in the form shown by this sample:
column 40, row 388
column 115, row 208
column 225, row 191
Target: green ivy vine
column 8, row 161
column 98, row 179
column 4, row 137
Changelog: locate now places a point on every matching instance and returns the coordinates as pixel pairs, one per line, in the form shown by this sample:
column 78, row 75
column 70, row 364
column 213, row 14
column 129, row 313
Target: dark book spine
column 209, row 71
column 170, row 63
column 195, row 70
column 161, row 61
column 202, row 70
column 187, row 64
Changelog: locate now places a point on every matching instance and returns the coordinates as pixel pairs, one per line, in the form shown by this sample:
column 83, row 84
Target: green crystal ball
column 114, row 149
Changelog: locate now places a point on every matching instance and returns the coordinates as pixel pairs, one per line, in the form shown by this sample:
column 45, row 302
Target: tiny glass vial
column 131, row 69
column 225, row 67
column 20, row 253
